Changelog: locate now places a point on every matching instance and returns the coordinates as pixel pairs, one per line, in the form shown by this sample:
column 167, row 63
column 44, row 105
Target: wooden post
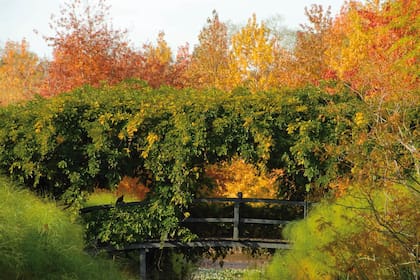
column 143, row 266
column 236, row 217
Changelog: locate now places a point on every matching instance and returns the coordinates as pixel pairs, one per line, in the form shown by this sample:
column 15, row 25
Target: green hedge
column 67, row 145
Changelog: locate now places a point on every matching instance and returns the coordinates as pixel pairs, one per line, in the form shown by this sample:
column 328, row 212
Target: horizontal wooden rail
column 263, row 221
column 251, row 200
column 208, row 220
column 224, row 242
column 241, row 221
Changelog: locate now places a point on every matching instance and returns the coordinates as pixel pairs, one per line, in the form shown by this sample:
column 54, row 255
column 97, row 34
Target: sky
column 181, row 20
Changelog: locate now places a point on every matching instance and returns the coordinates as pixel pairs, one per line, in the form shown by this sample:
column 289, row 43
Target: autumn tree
column 236, row 176
column 210, row 59
column 308, row 65
column 253, row 57
column 179, row 69
column 21, row 72
column 363, row 235
column 156, row 61
column 87, row 50
column 373, row 47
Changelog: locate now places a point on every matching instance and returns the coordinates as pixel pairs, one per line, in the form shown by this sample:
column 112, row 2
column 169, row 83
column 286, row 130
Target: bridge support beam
column 143, row 264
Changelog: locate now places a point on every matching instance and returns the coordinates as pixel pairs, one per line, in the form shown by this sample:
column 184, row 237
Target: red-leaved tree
column 87, row 49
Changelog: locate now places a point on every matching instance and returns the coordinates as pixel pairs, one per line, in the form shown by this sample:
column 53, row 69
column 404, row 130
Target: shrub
column 38, row 241
column 366, row 234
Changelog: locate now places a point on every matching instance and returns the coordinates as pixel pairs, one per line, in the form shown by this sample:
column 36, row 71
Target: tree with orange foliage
column 132, row 187
column 373, row 47
column 179, row 69
column 308, row 65
column 21, row 72
column 156, row 62
column 210, row 59
column 87, row 50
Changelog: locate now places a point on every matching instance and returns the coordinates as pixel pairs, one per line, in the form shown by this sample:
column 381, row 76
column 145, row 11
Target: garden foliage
column 366, row 234
column 93, row 137
column 39, row 241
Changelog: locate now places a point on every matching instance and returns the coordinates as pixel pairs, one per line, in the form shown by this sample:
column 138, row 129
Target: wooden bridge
column 233, row 241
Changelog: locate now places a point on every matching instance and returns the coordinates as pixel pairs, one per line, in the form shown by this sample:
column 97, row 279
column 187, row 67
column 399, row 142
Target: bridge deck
column 224, row 242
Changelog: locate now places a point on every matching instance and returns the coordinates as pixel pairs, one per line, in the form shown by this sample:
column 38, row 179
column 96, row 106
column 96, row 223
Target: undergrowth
column 39, row 241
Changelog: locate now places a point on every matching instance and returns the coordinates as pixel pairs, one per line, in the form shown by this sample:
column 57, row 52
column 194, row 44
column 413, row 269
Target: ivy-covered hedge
column 67, row 145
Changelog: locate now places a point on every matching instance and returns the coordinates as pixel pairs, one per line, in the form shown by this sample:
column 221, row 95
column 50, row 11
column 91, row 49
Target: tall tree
column 253, row 57
column 87, row 50
column 210, row 59
column 374, row 47
column 156, row 62
column 309, row 64
column 284, row 44
column 179, row 69
column 21, row 72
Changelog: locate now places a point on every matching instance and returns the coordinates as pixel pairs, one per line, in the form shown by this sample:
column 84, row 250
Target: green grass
column 39, row 241
column 105, row 197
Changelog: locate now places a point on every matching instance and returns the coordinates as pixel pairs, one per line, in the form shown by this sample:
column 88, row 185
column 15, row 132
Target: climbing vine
column 92, row 137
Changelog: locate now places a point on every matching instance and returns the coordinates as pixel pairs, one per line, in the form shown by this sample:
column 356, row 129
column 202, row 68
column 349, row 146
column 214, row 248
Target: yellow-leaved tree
column 253, row 57
column 239, row 176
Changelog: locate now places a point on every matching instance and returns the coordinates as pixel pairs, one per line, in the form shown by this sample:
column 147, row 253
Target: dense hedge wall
column 92, row 137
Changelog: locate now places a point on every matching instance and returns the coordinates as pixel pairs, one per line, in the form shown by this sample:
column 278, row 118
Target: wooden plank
column 251, row 200
column 211, row 199
column 208, row 220
column 96, row 208
column 272, row 201
column 248, row 243
column 263, row 221
column 143, row 263
column 236, row 221
column 222, row 199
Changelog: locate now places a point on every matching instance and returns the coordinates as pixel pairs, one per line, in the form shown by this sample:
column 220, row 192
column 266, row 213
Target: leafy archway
column 92, row 137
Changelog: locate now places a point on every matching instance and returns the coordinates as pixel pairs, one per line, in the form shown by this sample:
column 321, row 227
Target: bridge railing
column 237, row 219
